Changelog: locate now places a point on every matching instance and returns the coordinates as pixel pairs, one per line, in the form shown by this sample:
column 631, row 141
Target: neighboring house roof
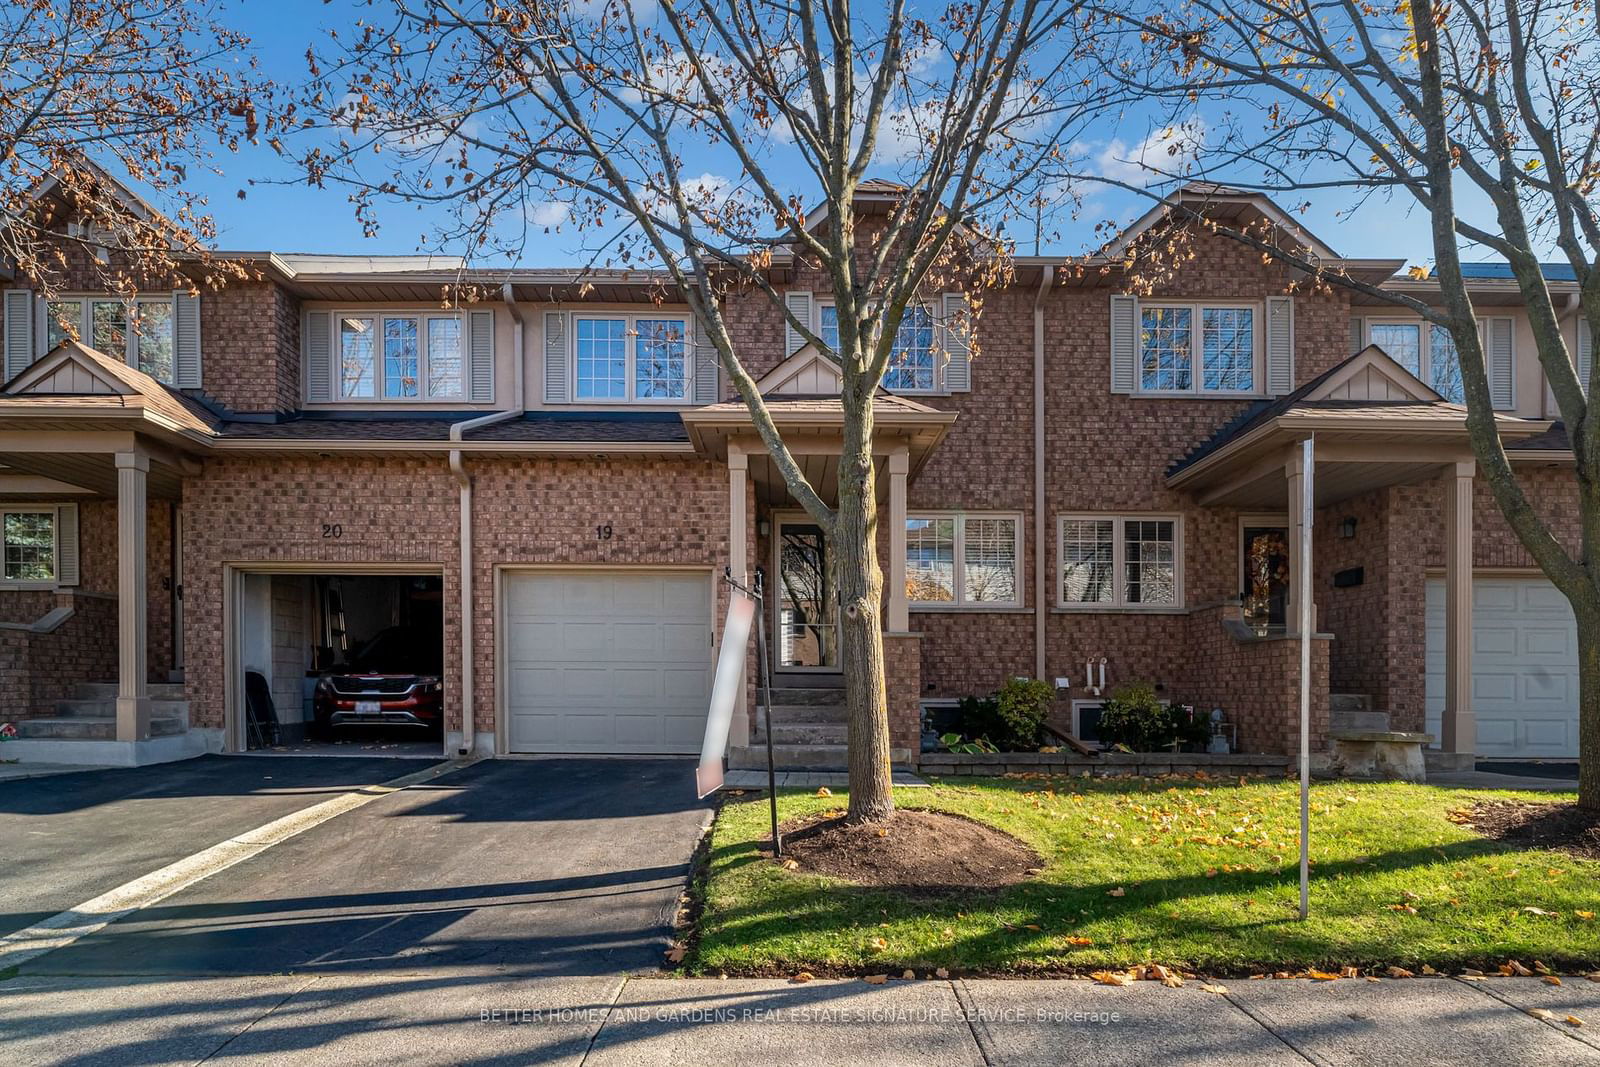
column 1220, row 202
column 1410, row 395
column 1554, row 439
column 1555, row 272
column 74, row 375
column 542, row 426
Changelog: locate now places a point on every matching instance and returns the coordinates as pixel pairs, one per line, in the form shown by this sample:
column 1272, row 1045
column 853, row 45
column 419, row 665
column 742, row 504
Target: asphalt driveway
column 511, row 867
column 70, row 837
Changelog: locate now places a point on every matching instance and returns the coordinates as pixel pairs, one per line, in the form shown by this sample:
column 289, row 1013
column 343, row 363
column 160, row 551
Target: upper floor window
column 1424, row 349
column 138, row 332
column 911, row 363
column 960, row 560
column 1111, row 561
column 400, row 356
column 631, row 357
column 828, row 325
column 1223, row 336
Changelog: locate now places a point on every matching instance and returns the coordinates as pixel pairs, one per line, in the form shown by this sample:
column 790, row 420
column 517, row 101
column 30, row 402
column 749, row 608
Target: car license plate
column 368, row 707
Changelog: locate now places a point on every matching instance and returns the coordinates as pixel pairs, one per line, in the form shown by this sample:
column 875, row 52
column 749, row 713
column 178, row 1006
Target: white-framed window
column 1199, row 348
column 30, row 544
column 914, row 365
column 960, row 559
column 1121, row 561
column 1424, row 349
column 631, row 358
column 400, row 355
column 138, row 332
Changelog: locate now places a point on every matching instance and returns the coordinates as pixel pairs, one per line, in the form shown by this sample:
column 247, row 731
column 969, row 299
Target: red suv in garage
column 392, row 680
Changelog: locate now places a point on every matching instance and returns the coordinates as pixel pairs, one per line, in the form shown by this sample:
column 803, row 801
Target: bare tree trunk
column 1588, row 709
column 859, row 581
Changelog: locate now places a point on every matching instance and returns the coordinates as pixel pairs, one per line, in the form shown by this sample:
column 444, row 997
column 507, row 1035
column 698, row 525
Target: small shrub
column 1023, row 704
column 1134, row 719
column 956, row 743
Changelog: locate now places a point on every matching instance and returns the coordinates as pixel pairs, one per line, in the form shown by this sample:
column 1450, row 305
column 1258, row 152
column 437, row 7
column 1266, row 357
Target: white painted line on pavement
column 64, row 928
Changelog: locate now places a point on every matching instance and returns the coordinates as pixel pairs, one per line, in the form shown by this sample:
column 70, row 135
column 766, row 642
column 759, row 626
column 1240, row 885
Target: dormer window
column 400, row 357
column 138, row 332
column 642, row 358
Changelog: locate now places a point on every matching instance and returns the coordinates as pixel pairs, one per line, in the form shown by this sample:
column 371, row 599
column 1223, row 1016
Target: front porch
column 1372, row 428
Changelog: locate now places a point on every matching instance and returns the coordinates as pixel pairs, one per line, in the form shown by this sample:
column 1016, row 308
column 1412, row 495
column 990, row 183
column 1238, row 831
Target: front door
column 1265, row 568
column 807, row 623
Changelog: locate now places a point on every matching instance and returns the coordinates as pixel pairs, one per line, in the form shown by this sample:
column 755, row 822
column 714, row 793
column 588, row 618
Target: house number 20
column 602, row 532
column 332, row 530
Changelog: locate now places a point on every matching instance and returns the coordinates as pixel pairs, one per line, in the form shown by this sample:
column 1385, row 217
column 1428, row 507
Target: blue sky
column 296, row 218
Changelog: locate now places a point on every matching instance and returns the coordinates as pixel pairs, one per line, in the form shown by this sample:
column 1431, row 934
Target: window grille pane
column 1166, row 337
column 155, row 339
column 30, row 546
column 989, row 561
column 1087, row 554
column 660, row 360
column 356, row 371
column 931, row 560
column 911, row 362
column 602, row 353
column 1445, row 364
column 1228, row 353
column 1403, row 343
column 400, row 352
column 1150, row 562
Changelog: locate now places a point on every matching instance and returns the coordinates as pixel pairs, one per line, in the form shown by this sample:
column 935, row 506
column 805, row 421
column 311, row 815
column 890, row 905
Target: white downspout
column 1041, row 553
column 464, row 481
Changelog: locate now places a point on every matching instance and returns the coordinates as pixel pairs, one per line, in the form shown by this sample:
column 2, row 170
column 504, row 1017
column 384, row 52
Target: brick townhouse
column 215, row 497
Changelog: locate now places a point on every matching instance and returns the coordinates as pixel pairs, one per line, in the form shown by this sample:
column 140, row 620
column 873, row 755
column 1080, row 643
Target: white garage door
column 1524, row 667
column 607, row 661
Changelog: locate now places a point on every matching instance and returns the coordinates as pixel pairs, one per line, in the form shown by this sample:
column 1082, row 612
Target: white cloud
column 548, row 213
column 1162, row 154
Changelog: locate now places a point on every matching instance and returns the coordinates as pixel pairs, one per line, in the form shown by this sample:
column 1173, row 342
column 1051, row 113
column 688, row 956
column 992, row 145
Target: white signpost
column 724, row 692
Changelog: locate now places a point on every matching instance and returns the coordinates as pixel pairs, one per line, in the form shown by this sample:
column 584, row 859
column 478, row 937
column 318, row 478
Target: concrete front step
column 802, row 757
column 108, row 691
column 91, row 728
column 798, row 713
column 1359, row 720
column 93, row 708
column 808, row 695
column 1338, row 702
column 802, row 733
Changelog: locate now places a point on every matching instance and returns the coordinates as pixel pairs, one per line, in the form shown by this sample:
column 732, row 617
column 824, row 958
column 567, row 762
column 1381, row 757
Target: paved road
column 69, row 837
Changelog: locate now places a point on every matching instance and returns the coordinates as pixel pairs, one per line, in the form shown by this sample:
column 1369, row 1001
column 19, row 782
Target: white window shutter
column 67, row 544
column 958, row 343
column 1358, row 335
column 1124, row 342
column 186, row 340
column 18, row 331
column 707, row 386
column 1280, row 345
column 1585, row 352
column 480, row 357
column 319, row 357
column 799, row 305
column 557, row 381
column 1501, row 365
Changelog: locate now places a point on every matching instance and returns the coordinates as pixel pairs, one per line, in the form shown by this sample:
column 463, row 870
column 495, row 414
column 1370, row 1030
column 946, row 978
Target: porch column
column 133, row 690
column 1459, row 726
column 899, row 620
column 739, row 564
column 1294, row 474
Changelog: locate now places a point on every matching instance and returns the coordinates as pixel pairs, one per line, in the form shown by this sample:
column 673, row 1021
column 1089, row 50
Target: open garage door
column 607, row 661
column 1524, row 667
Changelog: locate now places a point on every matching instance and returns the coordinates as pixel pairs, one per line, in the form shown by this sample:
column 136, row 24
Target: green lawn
column 1208, row 874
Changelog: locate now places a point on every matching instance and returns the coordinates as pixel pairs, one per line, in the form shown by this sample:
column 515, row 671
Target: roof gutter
column 464, row 483
column 1040, row 611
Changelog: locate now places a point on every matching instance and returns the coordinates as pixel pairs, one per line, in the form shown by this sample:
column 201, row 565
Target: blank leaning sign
column 724, row 692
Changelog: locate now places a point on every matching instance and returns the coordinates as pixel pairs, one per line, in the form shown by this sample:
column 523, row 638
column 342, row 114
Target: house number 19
column 603, row 532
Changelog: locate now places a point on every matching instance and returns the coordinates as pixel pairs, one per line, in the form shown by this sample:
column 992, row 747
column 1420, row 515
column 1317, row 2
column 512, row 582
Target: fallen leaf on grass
column 880, row 943
column 1211, row 987
column 1407, row 908
column 1117, row 892
column 676, row 953
column 802, row 978
column 1080, row 941
column 1399, row 972
column 875, row 979
column 1539, row 911
column 1586, row 916
column 791, row 865
column 824, row 791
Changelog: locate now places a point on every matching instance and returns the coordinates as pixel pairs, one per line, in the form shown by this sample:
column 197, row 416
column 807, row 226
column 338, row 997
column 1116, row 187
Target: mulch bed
column 1562, row 827
column 924, row 850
